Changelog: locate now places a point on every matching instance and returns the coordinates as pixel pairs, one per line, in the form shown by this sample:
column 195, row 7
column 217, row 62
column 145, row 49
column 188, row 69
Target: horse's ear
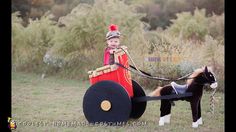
column 206, row 70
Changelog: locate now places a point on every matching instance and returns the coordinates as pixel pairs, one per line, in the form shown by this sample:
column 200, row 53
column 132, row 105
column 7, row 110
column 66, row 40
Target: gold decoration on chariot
column 106, row 105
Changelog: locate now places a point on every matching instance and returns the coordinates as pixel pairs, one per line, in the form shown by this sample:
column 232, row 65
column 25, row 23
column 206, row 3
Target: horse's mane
column 196, row 73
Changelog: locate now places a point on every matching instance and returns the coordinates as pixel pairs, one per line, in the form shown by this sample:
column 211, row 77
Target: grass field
column 54, row 104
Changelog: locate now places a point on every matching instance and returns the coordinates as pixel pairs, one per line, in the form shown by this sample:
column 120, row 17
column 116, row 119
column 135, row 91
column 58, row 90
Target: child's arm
column 106, row 57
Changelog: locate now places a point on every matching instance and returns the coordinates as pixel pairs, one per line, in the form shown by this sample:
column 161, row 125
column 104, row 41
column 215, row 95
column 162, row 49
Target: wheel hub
column 106, row 105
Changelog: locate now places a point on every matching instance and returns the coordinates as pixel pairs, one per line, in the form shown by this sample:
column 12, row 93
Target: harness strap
column 149, row 98
column 174, row 89
column 141, row 74
column 147, row 75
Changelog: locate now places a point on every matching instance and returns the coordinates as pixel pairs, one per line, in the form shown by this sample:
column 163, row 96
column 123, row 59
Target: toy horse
column 194, row 84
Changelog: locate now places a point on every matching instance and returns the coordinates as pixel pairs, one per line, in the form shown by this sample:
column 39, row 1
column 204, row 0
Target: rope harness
column 148, row 98
column 212, row 102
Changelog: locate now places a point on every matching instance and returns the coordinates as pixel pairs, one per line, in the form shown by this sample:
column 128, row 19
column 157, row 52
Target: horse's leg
column 194, row 108
column 165, row 106
column 167, row 116
column 165, row 112
column 199, row 114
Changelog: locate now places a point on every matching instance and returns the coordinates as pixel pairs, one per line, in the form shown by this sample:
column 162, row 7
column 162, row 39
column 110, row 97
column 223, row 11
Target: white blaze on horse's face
column 215, row 84
column 210, row 77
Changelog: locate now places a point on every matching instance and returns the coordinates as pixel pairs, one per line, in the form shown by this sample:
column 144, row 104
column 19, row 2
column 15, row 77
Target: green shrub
column 17, row 37
column 213, row 54
column 31, row 43
column 216, row 27
column 160, row 12
column 190, row 26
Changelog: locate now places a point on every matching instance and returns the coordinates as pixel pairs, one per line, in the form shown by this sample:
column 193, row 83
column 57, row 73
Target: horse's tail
column 156, row 92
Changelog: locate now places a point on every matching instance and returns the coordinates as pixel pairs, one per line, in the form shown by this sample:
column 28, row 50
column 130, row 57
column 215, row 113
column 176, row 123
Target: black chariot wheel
column 106, row 102
column 138, row 108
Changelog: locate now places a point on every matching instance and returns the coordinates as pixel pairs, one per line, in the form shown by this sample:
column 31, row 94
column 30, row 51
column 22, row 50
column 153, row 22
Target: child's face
column 113, row 42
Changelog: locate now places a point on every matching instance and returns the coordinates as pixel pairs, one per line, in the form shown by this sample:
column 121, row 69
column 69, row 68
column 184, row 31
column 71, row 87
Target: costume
column 108, row 56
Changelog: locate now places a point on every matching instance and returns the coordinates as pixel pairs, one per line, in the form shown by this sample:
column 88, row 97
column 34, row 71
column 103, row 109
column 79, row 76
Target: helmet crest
column 113, row 27
column 113, row 32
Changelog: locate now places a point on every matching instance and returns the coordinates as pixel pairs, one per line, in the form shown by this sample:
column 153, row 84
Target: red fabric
column 120, row 76
column 106, row 56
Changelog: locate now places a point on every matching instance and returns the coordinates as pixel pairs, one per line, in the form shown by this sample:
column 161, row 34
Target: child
column 113, row 42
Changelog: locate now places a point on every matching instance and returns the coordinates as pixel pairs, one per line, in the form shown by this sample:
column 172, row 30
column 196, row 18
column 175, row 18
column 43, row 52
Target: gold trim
column 105, row 105
column 108, row 68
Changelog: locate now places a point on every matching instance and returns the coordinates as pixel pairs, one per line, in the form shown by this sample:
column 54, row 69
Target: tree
column 24, row 8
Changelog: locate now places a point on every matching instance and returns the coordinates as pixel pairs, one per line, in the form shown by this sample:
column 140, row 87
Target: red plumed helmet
column 113, row 32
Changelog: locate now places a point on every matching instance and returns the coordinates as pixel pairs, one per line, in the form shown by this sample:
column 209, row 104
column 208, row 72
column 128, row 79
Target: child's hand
column 124, row 47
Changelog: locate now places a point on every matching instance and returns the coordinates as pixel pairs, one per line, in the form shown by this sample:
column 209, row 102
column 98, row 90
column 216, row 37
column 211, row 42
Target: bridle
column 208, row 78
column 204, row 76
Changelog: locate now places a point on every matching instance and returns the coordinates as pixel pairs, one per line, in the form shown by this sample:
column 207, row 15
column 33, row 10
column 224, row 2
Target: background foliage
column 166, row 38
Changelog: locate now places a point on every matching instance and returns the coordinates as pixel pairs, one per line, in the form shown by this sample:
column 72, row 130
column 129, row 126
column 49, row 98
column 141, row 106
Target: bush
column 216, row 27
column 160, row 12
column 190, row 26
column 213, row 54
column 31, row 43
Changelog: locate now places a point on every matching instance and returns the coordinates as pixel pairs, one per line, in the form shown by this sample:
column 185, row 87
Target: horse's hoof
column 167, row 118
column 195, row 124
column 199, row 121
column 162, row 121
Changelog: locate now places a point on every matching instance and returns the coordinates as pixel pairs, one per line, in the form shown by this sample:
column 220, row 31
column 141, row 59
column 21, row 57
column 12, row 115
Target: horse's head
column 207, row 77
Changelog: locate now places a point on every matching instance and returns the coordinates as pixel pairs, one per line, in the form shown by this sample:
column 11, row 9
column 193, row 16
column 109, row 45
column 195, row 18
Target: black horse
column 194, row 84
